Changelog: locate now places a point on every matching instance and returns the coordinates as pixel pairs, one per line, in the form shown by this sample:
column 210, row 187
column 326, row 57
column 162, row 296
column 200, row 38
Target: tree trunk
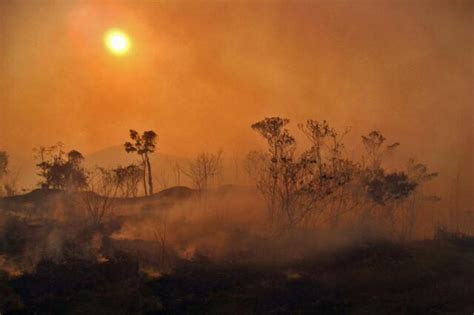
column 150, row 177
column 144, row 175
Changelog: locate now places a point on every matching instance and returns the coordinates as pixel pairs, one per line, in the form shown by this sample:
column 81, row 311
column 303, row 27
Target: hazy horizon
column 201, row 75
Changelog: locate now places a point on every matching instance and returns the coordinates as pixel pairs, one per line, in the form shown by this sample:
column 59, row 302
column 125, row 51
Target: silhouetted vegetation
column 8, row 181
column 3, row 170
column 327, row 241
column 203, row 168
column 3, row 163
column 60, row 170
column 127, row 179
column 143, row 145
column 320, row 184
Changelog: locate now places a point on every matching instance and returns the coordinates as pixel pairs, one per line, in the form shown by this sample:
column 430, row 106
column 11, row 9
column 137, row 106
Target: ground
column 367, row 276
column 422, row 277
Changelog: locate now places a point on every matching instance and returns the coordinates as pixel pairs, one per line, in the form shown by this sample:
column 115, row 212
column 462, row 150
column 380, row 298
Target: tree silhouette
column 322, row 184
column 3, row 163
column 143, row 145
column 203, row 168
column 3, row 169
column 102, row 188
column 281, row 148
column 61, row 170
column 127, row 179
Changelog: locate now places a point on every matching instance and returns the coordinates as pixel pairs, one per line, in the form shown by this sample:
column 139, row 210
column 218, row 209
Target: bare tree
column 99, row 197
column 281, row 149
column 10, row 183
column 163, row 179
column 8, row 179
column 3, row 163
column 203, row 168
column 176, row 168
column 160, row 233
column 417, row 173
column 375, row 150
column 326, row 172
column 3, row 169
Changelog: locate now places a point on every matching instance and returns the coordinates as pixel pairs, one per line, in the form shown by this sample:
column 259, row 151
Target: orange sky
column 200, row 72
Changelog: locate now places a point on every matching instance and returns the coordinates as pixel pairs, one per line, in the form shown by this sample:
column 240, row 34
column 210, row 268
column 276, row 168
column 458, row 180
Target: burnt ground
column 423, row 277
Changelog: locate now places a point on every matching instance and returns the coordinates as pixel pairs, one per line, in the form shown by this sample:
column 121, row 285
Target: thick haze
column 200, row 72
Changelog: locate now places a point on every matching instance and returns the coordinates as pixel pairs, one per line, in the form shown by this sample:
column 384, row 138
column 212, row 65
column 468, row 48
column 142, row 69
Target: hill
column 48, row 199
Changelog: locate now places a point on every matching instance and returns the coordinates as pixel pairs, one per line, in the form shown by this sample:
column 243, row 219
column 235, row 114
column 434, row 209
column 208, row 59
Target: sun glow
column 117, row 41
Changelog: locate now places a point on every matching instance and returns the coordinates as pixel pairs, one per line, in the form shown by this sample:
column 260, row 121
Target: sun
column 117, row 41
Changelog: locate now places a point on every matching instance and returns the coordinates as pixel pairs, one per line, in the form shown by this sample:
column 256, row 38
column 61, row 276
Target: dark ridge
column 33, row 196
column 175, row 192
column 38, row 196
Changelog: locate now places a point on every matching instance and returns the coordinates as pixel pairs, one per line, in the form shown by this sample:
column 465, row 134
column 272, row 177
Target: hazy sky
column 200, row 72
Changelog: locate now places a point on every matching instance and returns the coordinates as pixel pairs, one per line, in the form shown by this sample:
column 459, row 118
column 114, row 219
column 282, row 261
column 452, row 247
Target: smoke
column 399, row 67
column 27, row 238
column 209, row 224
column 225, row 225
column 233, row 227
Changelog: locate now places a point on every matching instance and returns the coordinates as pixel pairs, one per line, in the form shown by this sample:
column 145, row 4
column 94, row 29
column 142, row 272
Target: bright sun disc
column 117, row 41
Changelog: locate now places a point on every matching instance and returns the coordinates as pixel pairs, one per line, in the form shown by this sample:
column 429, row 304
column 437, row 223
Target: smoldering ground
column 223, row 225
column 216, row 252
column 233, row 226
